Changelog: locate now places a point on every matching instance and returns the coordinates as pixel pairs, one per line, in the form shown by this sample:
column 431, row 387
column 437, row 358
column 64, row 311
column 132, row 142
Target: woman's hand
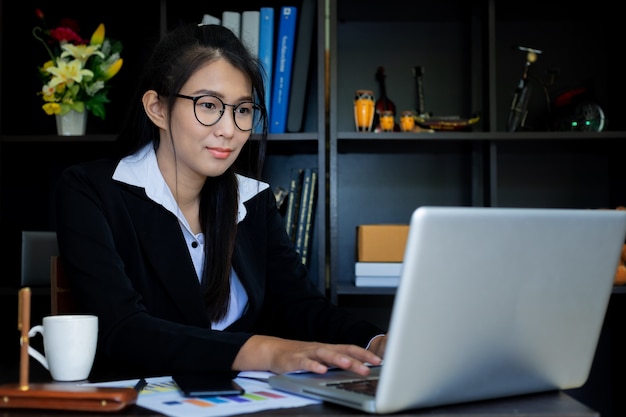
column 282, row 355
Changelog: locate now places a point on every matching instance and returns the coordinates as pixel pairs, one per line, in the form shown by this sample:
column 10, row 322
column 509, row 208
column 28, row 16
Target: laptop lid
column 492, row 302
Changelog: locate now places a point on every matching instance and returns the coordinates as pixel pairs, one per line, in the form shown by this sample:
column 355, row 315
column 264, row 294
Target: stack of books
column 380, row 254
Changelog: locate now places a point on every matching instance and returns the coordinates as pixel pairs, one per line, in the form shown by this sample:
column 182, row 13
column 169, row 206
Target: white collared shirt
column 142, row 170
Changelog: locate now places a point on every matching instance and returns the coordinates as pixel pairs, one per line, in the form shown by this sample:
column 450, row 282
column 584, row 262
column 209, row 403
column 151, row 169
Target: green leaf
column 78, row 106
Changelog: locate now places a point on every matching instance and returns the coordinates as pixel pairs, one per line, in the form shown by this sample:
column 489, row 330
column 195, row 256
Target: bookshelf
column 470, row 66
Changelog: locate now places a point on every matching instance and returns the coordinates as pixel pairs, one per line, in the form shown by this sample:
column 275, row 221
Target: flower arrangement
column 76, row 76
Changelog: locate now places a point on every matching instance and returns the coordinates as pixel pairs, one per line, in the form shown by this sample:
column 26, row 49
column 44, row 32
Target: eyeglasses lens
column 209, row 110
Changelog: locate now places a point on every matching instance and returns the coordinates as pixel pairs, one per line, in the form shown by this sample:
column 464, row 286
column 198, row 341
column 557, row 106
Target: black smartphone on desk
column 207, row 384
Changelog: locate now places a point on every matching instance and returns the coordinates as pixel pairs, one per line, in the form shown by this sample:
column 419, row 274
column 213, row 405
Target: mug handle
column 34, row 352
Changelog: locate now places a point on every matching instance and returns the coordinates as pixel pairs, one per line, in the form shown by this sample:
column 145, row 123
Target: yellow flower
column 98, row 36
column 68, row 72
column 80, row 52
column 51, row 108
column 113, row 69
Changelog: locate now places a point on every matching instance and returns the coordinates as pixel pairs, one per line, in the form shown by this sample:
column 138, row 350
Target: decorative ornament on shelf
column 364, row 103
column 75, row 79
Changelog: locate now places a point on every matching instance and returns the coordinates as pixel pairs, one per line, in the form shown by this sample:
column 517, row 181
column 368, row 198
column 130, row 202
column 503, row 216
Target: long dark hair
column 176, row 57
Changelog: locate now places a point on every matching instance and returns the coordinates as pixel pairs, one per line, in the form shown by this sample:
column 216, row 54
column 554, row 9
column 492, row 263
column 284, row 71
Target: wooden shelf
column 354, row 290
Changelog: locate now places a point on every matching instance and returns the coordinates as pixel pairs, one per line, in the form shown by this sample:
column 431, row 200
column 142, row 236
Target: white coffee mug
column 69, row 343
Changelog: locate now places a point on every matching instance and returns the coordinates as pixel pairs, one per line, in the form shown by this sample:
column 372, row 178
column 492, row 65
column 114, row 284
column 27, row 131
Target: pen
column 140, row 385
column 23, row 324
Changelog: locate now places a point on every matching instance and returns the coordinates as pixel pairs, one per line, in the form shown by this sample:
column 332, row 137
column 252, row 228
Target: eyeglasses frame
column 234, row 106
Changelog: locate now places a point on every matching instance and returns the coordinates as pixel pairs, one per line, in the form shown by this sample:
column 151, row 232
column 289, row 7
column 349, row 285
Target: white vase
column 72, row 124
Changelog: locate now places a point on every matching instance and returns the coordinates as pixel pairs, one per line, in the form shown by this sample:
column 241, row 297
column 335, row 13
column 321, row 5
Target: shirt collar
column 142, row 170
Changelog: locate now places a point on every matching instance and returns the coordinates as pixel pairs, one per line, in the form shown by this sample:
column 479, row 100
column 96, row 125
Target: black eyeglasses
column 209, row 110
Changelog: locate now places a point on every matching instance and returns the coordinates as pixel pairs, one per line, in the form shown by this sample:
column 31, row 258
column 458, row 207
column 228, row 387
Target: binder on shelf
column 232, row 21
column 310, row 219
column 250, row 22
column 266, row 51
column 208, row 19
column 283, row 62
column 293, row 202
column 301, row 218
column 306, row 216
column 301, row 60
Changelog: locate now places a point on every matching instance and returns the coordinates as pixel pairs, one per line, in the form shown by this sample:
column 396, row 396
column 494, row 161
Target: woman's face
column 207, row 151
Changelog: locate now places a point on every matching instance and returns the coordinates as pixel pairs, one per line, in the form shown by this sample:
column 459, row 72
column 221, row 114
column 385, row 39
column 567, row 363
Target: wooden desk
column 554, row 404
column 551, row 404
column 542, row 405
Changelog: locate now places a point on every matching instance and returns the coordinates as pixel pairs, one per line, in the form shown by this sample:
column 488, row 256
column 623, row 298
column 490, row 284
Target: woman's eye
column 207, row 105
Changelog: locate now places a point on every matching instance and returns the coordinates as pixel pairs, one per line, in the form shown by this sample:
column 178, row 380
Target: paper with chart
column 162, row 395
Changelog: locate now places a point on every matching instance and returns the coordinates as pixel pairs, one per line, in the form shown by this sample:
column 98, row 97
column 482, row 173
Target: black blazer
column 127, row 262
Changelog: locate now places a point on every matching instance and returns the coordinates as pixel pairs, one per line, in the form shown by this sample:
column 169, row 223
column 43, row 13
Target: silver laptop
column 492, row 302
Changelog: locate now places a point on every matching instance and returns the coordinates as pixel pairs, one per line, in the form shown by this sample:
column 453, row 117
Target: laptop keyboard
column 361, row 386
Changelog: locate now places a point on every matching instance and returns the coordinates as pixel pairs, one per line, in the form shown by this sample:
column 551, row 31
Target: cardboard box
column 381, row 242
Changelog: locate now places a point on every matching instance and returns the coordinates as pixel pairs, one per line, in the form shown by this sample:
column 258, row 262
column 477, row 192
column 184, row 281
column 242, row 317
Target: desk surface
column 550, row 404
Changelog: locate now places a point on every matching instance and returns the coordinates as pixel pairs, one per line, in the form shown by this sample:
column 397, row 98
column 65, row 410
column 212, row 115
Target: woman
column 186, row 263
